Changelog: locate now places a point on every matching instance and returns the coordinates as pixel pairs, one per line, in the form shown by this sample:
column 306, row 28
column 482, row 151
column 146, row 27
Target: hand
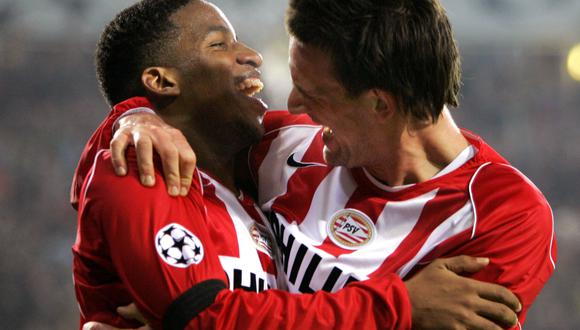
column 102, row 326
column 147, row 132
column 442, row 299
column 129, row 312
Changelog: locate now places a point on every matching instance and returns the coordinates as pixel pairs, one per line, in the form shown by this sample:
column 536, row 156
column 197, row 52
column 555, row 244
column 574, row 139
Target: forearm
column 374, row 304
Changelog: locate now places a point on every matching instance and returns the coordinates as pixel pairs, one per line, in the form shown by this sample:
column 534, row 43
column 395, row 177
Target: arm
column 514, row 229
column 177, row 157
column 130, row 216
column 450, row 311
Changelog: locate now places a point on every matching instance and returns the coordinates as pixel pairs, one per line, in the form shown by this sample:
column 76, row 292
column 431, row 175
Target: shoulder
column 512, row 215
column 103, row 186
column 502, row 192
column 494, row 180
column 278, row 119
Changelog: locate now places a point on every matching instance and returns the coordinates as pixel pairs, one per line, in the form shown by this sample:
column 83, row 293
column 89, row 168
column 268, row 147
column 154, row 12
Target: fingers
column 499, row 294
column 98, row 326
column 148, row 133
column 465, row 264
column 186, row 169
column 170, row 160
column 131, row 312
column 187, row 163
column 144, row 147
column 102, row 326
column 458, row 302
column 119, row 145
column 498, row 313
column 489, row 291
column 178, row 159
column 479, row 323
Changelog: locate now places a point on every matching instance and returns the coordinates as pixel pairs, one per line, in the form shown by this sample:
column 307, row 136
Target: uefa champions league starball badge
column 178, row 247
column 351, row 229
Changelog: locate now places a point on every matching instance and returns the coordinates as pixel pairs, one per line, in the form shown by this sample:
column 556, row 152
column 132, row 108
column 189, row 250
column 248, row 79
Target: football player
column 346, row 244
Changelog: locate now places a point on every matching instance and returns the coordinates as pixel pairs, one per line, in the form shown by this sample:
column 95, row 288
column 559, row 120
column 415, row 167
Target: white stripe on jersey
column 306, row 243
column 394, row 224
column 471, row 198
column 248, row 259
column 458, row 222
column 271, row 169
column 332, row 194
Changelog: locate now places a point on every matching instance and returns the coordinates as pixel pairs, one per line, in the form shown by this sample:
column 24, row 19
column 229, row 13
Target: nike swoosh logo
column 294, row 163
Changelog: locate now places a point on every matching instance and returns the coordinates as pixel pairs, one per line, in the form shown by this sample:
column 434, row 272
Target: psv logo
column 351, row 229
column 260, row 238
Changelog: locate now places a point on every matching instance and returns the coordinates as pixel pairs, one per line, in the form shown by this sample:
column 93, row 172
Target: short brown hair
column 405, row 47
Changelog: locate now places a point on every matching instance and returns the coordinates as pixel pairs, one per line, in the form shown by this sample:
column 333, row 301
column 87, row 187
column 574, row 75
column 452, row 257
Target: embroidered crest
column 261, row 238
column 350, row 229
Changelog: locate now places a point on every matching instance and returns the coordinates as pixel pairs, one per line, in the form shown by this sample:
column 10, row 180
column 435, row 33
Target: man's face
column 349, row 125
column 218, row 75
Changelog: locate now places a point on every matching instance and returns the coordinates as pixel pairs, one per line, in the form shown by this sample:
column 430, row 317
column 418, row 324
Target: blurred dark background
column 519, row 93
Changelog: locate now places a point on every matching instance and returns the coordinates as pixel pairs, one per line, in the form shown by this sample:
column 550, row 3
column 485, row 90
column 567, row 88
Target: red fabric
column 513, row 221
column 100, row 140
column 115, row 259
column 514, row 230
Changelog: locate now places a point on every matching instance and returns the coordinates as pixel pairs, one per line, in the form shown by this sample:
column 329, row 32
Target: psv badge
column 351, row 229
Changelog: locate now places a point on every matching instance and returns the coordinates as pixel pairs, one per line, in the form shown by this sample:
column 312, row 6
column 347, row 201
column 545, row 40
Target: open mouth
column 250, row 86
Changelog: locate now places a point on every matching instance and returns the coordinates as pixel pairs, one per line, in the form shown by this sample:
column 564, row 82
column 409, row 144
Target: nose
column 247, row 55
column 296, row 103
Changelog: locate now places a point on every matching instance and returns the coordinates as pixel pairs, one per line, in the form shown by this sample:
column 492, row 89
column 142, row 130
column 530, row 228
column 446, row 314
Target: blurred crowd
column 519, row 98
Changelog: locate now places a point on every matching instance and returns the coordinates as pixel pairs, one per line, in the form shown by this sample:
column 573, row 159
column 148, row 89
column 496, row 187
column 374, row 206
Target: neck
column 213, row 156
column 417, row 152
column 221, row 169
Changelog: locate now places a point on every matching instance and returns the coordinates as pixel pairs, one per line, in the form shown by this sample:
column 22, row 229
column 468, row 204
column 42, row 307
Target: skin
column 367, row 131
column 448, row 310
column 198, row 93
column 370, row 131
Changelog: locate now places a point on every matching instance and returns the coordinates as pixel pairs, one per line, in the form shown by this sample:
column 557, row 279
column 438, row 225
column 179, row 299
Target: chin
column 260, row 131
column 249, row 133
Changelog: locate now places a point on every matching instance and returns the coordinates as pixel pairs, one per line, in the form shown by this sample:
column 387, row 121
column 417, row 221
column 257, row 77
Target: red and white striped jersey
column 119, row 236
column 336, row 225
column 247, row 259
column 126, row 251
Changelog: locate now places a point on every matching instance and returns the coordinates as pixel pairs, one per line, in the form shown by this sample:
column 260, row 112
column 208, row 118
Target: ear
column 385, row 103
column 161, row 81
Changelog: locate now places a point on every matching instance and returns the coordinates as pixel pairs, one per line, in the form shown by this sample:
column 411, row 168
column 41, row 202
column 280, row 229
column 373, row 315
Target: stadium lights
column 573, row 62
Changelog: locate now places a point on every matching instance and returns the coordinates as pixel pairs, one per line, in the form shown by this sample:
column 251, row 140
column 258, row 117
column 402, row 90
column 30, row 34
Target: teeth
column 251, row 86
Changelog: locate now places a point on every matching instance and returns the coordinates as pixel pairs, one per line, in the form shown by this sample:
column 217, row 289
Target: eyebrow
column 217, row 28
